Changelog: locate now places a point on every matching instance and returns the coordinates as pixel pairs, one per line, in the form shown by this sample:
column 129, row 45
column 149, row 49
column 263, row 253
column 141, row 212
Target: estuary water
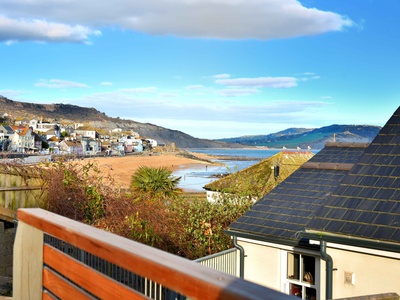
column 194, row 179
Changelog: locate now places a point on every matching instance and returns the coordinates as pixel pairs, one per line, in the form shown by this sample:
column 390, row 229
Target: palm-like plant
column 155, row 182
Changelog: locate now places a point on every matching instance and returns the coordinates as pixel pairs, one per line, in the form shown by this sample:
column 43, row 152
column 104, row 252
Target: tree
column 155, row 182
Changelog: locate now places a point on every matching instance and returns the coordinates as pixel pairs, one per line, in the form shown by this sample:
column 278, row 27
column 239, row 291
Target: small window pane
column 295, row 290
column 311, row 293
column 308, row 268
column 293, row 271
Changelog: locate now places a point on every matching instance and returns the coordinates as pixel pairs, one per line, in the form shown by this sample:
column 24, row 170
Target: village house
column 130, row 144
column 21, row 122
column 43, row 126
column 331, row 229
column 5, row 132
column 90, row 146
column 71, row 147
column 23, row 139
column 53, row 144
column 86, row 133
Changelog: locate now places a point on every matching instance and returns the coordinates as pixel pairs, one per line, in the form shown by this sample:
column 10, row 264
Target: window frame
column 287, row 282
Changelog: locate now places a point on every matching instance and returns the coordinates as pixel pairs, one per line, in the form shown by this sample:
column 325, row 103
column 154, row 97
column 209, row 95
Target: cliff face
column 67, row 114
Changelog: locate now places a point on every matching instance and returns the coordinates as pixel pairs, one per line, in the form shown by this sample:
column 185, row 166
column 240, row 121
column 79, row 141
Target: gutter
column 241, row 257
column 329, row 270
column 351, row 240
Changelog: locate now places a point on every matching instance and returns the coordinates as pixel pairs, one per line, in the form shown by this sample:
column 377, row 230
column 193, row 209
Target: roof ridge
column 347, row 144
column 327, row 166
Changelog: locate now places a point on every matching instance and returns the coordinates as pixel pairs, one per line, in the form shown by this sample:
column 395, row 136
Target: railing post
column 28, row 263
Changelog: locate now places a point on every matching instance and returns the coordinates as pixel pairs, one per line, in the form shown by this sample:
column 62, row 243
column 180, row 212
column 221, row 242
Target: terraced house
column 332, row 229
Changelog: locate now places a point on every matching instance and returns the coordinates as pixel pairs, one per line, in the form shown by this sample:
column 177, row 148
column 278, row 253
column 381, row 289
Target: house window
column 300, row 276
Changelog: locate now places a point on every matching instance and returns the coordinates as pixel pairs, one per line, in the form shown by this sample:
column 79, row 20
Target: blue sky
column 210, row 68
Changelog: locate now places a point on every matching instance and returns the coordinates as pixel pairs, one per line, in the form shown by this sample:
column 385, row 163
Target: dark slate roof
column 8, row 129
column 367, row 202
column 288, row 208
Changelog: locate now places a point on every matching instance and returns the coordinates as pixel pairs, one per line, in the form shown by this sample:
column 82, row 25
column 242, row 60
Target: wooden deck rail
column 42, row 271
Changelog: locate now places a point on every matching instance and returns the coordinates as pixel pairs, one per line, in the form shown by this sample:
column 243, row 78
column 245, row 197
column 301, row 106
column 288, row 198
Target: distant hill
column 68, row 114
column 316, row 138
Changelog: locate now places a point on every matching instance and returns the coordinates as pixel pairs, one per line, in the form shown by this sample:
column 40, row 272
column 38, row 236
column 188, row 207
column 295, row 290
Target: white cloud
column 106, row 83
column 14, row 30
column 150, row 89
column 196, row 87
column 260, row 82
column 222, row 76
column 59, row 84
column 75, row 20
column 237, row 92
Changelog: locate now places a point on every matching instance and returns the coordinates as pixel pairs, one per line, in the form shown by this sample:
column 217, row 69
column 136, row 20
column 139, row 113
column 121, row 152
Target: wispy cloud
column 196, row 87
column 221, row 76
column 59, row 84
column 237, row 92
column 106, row 83
column 143, row 90
column 11, row 93
column 260, row 82
column 76, row 21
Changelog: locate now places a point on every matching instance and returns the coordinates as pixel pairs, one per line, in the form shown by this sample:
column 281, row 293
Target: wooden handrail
column 178, row 274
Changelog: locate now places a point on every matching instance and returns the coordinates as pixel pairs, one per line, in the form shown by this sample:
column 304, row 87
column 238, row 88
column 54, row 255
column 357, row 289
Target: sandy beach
column 121, row 168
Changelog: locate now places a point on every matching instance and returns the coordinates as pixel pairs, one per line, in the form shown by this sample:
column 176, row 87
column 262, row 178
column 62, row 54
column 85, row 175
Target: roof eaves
column 274, row 240
column 350, row 240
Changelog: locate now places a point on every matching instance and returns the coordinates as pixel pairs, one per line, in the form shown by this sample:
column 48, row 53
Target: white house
column 23, row 139
column 332, row 229
column 92, row 134
column 90, row 146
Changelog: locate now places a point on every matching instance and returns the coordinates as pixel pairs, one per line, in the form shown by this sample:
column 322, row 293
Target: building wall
column 262, row 265
column 360, row 274
column 266, row 264
column 357, row 271
column 6, row 250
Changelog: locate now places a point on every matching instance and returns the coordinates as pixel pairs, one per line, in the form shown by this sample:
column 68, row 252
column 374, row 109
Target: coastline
column 121, row 168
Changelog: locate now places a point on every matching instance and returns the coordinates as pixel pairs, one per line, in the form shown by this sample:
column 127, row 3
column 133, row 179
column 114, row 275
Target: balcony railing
column 46, row 267
column 224, row 261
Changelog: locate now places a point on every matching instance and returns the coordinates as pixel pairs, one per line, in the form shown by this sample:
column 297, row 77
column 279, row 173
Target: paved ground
column 5, row 286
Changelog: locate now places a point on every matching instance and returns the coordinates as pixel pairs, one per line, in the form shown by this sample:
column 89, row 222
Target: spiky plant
column 155, row 182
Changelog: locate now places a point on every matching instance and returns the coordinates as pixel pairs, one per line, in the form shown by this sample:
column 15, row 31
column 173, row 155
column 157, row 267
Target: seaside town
column 38, row 136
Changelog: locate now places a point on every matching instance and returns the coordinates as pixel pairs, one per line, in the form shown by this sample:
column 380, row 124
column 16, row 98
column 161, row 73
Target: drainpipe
column 329, row 269
column 241, row 256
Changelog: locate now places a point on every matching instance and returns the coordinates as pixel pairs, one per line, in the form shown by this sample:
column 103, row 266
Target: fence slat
column 98, row 285
column 62, row 288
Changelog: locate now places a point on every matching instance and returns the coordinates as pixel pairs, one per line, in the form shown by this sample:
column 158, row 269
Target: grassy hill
column 257, row 180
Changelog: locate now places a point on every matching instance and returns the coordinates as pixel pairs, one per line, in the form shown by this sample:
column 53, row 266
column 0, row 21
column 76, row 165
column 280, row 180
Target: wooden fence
column 18, row 191
column 42, row 271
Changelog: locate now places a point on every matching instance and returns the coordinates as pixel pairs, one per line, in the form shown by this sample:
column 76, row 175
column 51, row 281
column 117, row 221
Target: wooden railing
column 41, row 271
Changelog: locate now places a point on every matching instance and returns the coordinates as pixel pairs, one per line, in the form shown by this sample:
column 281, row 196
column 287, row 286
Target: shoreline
column 121, row 168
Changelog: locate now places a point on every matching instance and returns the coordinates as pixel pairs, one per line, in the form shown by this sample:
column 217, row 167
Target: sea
column 194, row 179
